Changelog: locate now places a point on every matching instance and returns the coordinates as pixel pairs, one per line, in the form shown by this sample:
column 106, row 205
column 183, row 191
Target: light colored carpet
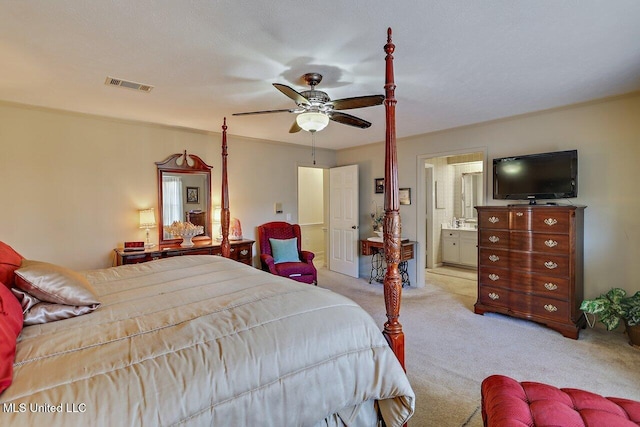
column 450, row 350
column 446, row 270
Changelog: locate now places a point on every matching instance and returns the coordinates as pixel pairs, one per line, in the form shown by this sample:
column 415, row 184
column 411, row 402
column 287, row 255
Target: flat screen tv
column 536, row 176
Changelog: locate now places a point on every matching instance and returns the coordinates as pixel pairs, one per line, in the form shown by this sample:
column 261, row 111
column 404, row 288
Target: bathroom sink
column 466, row 227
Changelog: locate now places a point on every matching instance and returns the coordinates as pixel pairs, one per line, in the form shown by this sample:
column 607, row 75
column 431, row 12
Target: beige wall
column 607, row 137
column 71, row 184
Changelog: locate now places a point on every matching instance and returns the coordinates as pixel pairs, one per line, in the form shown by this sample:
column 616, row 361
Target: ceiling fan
column 315, row 108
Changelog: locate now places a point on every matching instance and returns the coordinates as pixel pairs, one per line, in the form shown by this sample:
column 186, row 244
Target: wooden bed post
column 392, row 224
column 224, row 214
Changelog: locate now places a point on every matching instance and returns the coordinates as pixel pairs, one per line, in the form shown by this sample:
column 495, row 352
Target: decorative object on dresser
column 241, row 251
column 530, row 264
column 281, row 252
column 147, row 221
column 185, row 230
column 134, row 246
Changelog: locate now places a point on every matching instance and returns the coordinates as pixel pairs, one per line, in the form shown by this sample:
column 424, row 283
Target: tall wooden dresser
column 530, row 264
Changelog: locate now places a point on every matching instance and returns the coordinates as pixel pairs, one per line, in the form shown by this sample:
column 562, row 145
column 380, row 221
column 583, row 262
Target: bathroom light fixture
column 312, row 121
column 147, row 220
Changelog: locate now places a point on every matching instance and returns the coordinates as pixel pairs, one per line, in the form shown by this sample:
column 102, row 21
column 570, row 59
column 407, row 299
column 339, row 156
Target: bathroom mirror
column 184, row 194
column 472, row 193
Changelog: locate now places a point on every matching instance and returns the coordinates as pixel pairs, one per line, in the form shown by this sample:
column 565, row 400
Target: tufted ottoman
column 509, row 403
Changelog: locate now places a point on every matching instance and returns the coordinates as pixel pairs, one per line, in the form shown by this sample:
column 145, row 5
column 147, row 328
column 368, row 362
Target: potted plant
column 614, row 306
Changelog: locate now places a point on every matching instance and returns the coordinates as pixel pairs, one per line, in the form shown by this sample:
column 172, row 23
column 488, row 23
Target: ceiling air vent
column 112, row 81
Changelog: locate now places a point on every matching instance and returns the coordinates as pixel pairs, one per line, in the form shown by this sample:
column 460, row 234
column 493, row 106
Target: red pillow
column 10, row 327
column 10, row 260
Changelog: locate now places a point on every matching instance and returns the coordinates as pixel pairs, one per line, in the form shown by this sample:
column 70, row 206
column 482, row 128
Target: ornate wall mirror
column 184, row 194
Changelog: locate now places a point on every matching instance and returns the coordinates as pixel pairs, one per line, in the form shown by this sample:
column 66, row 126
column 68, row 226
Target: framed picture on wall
column 405, row 196
column 193, row 194
column 379, row 185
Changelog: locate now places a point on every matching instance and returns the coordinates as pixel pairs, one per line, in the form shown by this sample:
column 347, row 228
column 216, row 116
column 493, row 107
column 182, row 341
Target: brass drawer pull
column 519, row 213
column 244, row 252
column 550, row 308
column 494, row 277
column 494, row 296
column 551, row 286
column 494, row 239
column 550, row 265
column 550, row 221
column 494, row 258
column 493, row 219
column 551, row 243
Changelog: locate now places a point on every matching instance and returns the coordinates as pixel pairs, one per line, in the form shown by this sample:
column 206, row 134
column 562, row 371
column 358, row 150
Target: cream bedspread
column 202, row 340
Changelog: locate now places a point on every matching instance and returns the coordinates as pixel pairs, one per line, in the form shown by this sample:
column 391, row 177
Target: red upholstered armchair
column 288, row 259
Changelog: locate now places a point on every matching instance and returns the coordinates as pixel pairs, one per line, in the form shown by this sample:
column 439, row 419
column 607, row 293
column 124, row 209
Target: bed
column 204, row 340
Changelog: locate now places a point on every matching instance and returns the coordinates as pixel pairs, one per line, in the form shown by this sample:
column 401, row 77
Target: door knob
column 355, row 227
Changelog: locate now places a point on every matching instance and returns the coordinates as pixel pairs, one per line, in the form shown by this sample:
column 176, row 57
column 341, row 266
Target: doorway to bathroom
column 450, row 185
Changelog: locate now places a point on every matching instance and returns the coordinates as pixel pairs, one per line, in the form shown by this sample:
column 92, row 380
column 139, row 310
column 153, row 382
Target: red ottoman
column 509, row 403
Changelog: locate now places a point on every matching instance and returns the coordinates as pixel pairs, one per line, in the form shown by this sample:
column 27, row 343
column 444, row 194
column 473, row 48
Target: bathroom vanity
column 459, row 246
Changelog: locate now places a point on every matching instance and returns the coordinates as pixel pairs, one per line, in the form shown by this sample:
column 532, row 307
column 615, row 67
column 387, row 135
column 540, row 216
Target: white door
column 343, row 220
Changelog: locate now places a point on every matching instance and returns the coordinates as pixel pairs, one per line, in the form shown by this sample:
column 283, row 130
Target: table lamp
column 147, row 221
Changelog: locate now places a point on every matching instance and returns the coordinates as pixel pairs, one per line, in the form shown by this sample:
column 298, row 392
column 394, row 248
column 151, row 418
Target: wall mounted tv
column 536, row 176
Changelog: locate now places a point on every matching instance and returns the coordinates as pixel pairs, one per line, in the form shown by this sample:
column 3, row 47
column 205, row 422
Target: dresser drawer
column 203, row 251
column 498, row 258
column 540, row 308
column 551, row 243
column 551, row 221
column 520, row 219
column 552, row 265
column 493, row 219
column 135, row 259
column 545, row 264
column 550, row 309
column 547, row 286
column 539, row 242
column 492, row 276
column 493, row 296
column 494, row 239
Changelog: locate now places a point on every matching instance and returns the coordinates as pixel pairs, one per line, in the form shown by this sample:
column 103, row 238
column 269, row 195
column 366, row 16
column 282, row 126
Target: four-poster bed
column 205, row 340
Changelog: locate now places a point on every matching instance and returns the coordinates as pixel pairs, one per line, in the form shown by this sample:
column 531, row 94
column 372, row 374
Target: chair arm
column 269, row 263
column 307, row 256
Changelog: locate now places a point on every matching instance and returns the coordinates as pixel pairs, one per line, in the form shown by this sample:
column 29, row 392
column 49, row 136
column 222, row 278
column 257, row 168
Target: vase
column 186, row 241
column 633, row 332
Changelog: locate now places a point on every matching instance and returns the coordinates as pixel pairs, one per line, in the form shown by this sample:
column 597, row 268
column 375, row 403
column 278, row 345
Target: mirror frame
column 172, row 164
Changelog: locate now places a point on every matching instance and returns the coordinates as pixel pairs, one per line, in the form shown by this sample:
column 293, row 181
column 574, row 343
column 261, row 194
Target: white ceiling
column 457, row 62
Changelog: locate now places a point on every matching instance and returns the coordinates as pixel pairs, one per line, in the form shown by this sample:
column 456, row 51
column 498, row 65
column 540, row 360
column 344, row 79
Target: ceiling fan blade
column 348, row 119
column 357, row 102
column 292, row 93
column 294, row 127
column 265, row 112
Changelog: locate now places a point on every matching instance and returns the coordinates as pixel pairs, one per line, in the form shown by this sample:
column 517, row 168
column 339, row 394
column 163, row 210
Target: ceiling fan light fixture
column 312, row 121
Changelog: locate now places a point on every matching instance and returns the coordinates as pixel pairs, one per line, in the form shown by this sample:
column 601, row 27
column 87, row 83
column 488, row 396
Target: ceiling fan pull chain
column 313, row 147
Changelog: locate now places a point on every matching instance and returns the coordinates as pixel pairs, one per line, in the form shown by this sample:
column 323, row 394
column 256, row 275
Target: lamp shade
column 312, row 121
column 147, row 218
column 217, row 212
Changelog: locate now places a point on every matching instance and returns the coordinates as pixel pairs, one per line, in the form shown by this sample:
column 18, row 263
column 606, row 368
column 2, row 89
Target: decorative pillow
column 50, row 292
column 10, row 327
column 284, row 250
column 9, row 261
